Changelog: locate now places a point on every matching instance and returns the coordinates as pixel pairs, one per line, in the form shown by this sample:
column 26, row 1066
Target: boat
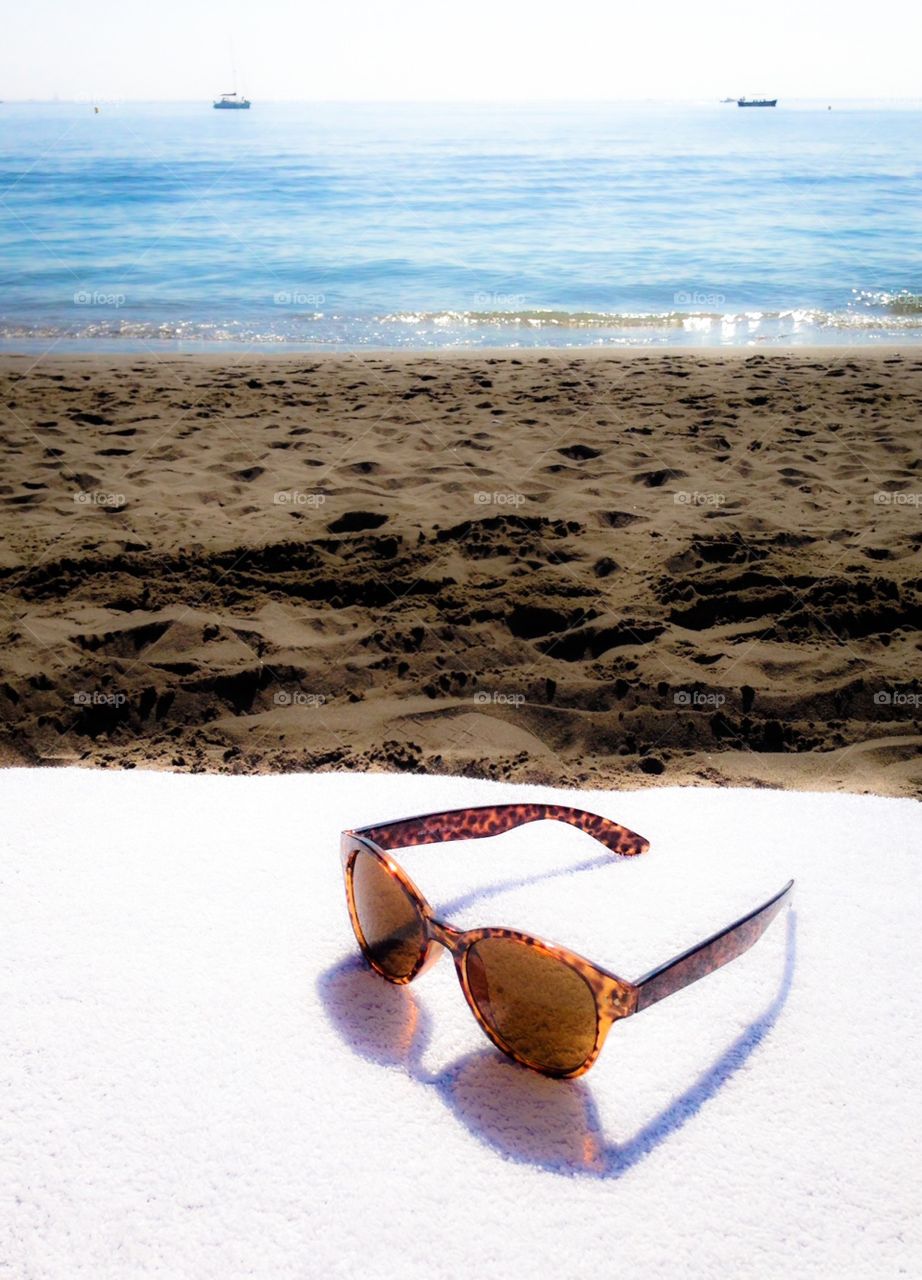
column 231, row 102
column 729, row 99
column 757, row 102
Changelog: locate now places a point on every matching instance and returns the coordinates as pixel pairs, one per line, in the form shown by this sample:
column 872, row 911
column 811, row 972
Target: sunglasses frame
column 615, row 997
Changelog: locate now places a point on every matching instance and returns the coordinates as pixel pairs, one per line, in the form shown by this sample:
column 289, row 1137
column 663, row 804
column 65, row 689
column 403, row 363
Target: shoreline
column 293, row 351
column 579, row 567
column 524, row 355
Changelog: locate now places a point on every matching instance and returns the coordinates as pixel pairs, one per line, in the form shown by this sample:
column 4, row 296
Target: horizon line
column 84, row 99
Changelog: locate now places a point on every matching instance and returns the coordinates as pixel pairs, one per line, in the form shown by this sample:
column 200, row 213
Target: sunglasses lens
column 539, row 1007
column 393, row 935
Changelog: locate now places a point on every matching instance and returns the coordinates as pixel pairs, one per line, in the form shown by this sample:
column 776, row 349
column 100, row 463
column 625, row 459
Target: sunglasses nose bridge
column 446, row 935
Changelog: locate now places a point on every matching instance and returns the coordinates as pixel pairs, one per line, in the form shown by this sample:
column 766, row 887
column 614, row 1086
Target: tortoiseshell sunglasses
column 541, row 1004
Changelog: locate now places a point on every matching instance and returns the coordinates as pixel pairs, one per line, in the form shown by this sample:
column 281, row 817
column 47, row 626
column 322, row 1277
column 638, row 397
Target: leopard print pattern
column 492, row 820
column 716, row 952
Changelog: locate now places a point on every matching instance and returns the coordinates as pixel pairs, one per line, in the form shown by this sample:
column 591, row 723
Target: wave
column 872, row 315
column 908, row 316
column 544, row 318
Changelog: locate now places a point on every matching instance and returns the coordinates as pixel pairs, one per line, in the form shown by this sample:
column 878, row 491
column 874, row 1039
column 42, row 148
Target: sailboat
column 232, row 101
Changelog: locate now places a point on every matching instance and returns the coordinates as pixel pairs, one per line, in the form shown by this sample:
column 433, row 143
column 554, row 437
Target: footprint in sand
column 357, row 522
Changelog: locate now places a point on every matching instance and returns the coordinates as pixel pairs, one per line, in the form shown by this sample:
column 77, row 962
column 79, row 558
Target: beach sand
column 586, row 569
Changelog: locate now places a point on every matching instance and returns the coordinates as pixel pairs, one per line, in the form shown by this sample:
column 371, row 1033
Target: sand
column 586, row 569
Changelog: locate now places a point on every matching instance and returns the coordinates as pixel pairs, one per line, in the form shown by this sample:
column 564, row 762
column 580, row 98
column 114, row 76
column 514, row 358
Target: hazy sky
column 469, row 49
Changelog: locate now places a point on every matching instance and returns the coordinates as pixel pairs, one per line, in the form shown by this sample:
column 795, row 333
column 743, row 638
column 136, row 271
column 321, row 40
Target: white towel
column 198, row 1078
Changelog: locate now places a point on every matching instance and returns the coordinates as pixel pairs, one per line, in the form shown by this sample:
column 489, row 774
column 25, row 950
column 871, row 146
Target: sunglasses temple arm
column 709, row 955
column 492, row 820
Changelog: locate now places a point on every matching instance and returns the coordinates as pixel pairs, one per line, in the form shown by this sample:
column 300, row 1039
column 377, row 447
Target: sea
column 172, row 227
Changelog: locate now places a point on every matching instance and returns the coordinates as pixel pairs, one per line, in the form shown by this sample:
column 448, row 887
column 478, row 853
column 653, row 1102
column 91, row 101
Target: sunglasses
column 541, row 1004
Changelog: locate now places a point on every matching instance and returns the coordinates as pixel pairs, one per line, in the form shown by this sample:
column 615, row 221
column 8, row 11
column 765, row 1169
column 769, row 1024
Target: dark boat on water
column 757, row 102
column 230, row 102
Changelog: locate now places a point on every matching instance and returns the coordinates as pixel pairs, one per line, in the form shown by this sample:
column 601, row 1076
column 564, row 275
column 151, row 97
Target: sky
column 480, row 50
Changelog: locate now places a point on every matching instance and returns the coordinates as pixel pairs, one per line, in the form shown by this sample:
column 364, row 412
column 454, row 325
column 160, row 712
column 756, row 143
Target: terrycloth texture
column 198, row 1080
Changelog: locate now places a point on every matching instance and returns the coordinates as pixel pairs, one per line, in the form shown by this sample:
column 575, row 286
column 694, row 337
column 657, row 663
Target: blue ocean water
column 325, row 225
